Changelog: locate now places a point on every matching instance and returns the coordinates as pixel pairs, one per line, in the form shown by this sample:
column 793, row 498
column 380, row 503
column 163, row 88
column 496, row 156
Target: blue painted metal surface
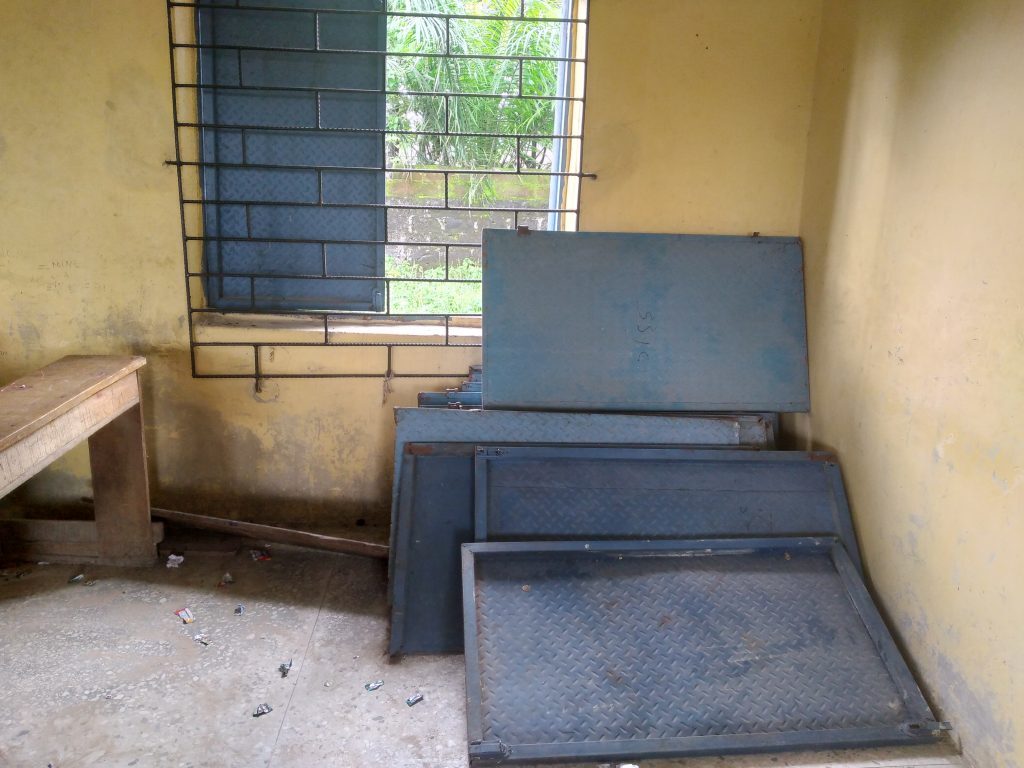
column 572, row 492
column 442, row 425
column 450, row 399
column 609, row 651
column 263, row 221
column 466, row 395
column 594, row 321
column 434, row 517
column 432, row 510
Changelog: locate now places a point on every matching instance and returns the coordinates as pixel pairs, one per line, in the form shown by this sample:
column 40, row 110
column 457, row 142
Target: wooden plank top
column 33, row 401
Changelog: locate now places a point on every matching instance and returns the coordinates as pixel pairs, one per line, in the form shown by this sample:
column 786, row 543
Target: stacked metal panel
column 641, row 575
column 469, row 394
column 432, row 504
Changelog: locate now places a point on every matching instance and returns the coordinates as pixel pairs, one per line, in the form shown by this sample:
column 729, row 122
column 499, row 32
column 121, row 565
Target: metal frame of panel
column 912, row 718
column 791, row 466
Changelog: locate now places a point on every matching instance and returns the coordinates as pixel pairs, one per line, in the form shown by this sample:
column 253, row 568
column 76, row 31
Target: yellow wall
column 90, row 252
column 90, row 262
column 913, row 219
column 697, row 114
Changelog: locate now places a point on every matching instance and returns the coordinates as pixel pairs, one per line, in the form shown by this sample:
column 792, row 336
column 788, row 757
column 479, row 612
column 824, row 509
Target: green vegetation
column 504, row 111
column 509, row 107
column 436, row 298
column 523, row 190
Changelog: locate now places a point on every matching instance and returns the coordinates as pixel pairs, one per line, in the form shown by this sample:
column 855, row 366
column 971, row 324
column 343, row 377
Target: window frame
column 245, row 337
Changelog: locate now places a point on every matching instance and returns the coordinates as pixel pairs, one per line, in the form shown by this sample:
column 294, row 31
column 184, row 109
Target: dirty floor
column 102, row 673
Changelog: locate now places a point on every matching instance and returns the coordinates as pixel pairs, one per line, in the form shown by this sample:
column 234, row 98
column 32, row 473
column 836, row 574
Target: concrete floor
column 107, row 675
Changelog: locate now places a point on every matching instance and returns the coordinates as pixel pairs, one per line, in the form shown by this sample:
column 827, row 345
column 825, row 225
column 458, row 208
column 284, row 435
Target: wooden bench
column 46, row 414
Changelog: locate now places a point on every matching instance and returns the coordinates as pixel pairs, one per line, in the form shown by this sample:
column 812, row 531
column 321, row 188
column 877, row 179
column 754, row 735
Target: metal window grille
column 338, row 160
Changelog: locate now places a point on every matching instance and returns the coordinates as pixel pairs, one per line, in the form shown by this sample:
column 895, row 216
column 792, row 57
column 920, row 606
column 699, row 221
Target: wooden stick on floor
column 275, row 534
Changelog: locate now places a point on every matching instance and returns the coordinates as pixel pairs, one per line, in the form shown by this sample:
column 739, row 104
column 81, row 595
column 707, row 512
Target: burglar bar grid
column 250, row 340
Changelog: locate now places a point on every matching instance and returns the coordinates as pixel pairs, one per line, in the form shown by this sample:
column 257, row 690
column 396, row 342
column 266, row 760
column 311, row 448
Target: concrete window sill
column 354, row 329
column 351, row 345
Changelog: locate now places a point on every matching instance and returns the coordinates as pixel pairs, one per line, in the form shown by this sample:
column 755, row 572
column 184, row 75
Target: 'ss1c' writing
column 643, row 338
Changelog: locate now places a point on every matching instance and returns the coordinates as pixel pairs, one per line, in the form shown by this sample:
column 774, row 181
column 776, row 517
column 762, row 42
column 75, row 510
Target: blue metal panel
column 434, row 517
column 261, row 87
column 442, row 425
column 631, row 650
column 572, row 492
column 640, row 322
column 432, row 509
column 451, row 399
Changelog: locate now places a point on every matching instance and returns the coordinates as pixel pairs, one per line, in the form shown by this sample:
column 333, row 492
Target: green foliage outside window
column 502, row 111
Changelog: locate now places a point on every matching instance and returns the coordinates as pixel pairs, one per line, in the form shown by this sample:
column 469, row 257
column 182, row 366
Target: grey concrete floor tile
column 108, row 675
column 344, row 724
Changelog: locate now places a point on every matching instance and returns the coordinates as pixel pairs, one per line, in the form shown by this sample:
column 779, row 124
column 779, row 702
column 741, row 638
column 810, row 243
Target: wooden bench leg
column 117, row 454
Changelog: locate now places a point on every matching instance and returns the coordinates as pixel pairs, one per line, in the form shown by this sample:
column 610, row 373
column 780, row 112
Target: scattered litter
column 185, row 615
column 259, row 554
column 262, row 709
column 327, row 685
column 239, row 609
column 374, row 685
column 43, row 562
column 285, row 668
column 202, row 638
column 629, row 765
column 90, row 583
column 173, row 561
column 76, row 579
column 413, row 700
column 226, row 579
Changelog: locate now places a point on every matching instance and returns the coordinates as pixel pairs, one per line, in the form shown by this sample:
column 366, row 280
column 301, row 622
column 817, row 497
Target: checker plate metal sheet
column 614, row 650
column 432, row 518
column 574, row 492
column 442, row 425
